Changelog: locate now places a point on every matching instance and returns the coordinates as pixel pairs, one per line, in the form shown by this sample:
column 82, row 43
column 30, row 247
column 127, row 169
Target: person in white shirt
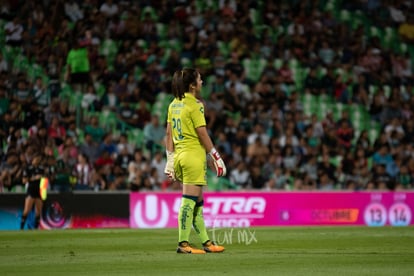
column 240, row 175
column 14, row 31
column 73, row 11
column 158, row 162
column 83, row 172
column 108, row 8
column 394, row 126
column 258, row 131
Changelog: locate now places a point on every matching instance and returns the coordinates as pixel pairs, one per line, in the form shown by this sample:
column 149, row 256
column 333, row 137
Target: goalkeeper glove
column 218, row 163
column 169, row 166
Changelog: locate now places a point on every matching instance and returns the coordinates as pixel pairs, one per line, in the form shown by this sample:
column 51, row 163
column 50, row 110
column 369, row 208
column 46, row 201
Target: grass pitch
column 249, row 251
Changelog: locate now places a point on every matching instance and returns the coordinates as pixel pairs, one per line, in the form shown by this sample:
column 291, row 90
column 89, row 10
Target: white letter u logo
column 151, row 212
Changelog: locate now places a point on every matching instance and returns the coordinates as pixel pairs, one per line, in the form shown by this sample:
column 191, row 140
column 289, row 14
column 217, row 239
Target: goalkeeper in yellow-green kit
column 187, row 142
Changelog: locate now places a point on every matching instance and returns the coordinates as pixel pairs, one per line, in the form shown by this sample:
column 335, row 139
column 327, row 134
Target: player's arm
column 211, row 150
column 169, row 146
column 204, row 138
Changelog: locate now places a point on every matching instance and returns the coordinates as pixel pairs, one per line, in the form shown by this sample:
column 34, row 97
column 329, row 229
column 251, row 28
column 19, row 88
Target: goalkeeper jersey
column 185, row 116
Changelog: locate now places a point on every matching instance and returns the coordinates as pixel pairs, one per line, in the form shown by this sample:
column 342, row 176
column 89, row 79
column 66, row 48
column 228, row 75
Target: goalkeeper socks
column 22, row 222
column 198, row 222
column 185, row 217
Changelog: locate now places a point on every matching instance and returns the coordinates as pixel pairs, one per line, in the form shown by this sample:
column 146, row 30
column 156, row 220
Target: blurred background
column 312, row 95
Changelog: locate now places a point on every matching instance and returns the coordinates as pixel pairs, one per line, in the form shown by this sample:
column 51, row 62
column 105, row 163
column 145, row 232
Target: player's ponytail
column 182, row 80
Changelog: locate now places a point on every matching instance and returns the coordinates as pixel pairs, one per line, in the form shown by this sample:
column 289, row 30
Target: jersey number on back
column 178, row 132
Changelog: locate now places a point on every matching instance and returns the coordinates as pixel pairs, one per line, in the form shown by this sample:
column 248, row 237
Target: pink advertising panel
column 245, row 209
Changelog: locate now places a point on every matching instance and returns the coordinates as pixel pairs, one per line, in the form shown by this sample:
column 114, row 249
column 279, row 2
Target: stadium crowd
column 299, row 95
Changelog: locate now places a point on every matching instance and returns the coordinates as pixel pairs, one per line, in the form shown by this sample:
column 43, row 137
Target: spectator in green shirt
column 78, row 66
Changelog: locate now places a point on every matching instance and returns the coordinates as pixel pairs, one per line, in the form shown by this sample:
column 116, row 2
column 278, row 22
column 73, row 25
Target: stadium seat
column 116, row 132
column 162, row 30
column 375, row 31
column 322, row 109
column 109, row 49
column 338, row 108
column 276, row 32
column 359, row 116
column 387, row 90
column 224, row 48
column 175, row 44
column 403, row 47
column 373, row 134
column 254, row 68
column 329, row 6
column 293, row 63
column 255, row 16
column 34, row 70
column 372, row 89
column 160, row 97
column 389, row 37
column 165, row 56
column 151, row 11
column 136, row 137
column 108, row 119
column 21, row 63
column 75, row 99
column 321, row 72
column 206, row 88
column 278, row 62
column 186, row 62
column 81, row 135
column 344, row 15
column 299, row 75
column 336, row 160
column 311, row 105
